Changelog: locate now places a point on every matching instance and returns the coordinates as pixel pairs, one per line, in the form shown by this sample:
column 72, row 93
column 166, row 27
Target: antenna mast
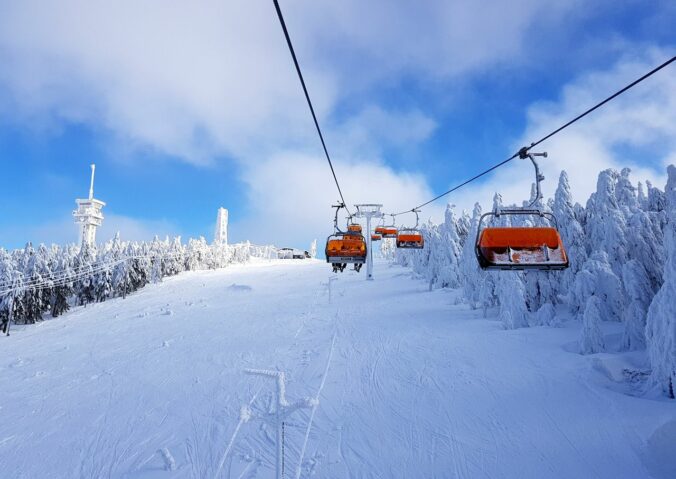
column 91, row 184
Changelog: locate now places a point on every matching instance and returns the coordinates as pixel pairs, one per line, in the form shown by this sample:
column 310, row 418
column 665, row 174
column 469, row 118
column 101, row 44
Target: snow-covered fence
column 34, row 281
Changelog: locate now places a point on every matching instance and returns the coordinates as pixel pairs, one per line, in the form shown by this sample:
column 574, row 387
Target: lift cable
column 523, row 152
column 309, row 102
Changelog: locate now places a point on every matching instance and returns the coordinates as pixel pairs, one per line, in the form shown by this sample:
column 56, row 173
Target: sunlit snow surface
column 153, row 386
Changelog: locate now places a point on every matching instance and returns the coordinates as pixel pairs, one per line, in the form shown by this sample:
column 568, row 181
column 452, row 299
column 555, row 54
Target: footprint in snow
column 239, row 287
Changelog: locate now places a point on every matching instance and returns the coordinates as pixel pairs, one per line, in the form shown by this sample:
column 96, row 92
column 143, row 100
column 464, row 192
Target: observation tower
column 221, row 236
column 89, row 215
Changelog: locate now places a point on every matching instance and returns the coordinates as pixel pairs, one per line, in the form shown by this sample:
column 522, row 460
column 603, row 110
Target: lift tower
column 368, row 211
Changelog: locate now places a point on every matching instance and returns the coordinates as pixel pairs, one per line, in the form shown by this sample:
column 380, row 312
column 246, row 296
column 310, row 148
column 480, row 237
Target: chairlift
column 389, row 231
column 354, row 228
column 376, row 237
column 411, row 238
column 345, row 247
column 522, row 248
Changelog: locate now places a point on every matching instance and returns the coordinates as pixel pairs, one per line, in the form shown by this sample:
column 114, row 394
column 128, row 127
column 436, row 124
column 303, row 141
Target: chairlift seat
column 410, row 239
column 347, row 248
column 519, row 248
column 388, row 232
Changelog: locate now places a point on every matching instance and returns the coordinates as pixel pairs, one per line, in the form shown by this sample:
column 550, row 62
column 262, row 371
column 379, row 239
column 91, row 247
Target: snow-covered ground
column 410, row 385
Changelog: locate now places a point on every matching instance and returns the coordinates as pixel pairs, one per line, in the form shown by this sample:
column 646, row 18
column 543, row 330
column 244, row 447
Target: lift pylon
column 368, row 211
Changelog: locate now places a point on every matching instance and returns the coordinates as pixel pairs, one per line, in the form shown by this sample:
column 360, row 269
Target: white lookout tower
column 221, row 236
column 88, row 215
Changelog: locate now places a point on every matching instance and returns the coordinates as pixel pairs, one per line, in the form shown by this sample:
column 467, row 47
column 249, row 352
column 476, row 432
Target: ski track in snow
column 408, row 385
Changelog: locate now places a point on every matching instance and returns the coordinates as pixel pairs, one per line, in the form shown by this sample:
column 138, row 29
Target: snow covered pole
column 369, row 211
column 369, row 251
column 282, row 410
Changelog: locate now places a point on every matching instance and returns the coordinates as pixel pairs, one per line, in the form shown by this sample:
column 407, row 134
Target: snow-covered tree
column 450, row 251
column 597, row 279
column 473, row 278
column 625, row 192
column 37, row 280
column 63, row 290
column 571, row 232
column 11, row 282
column 464, row 226
column 661, row 321
column 606, row 223
column 510, row 292
column 642, row 198
column 591, row 339
column 639, row 294
column 546, row 315
column 84, row 266
column 645, row 244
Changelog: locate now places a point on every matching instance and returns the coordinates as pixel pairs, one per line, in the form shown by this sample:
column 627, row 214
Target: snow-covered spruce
column 661, row 323
column 591, row 340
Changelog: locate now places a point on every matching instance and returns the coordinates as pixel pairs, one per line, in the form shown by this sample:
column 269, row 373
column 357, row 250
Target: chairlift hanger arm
column 335, row 219
column 523, row 154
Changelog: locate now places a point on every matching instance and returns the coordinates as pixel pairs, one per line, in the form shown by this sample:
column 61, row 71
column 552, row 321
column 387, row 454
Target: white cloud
column 291, row 196
column 198, row 79
column 368, row 131
column 636, row 130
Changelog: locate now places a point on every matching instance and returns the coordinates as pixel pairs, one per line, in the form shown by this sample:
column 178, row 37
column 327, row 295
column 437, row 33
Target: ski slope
column 410, row 385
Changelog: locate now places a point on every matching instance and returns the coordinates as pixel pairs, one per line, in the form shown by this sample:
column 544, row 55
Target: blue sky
column 185, row 108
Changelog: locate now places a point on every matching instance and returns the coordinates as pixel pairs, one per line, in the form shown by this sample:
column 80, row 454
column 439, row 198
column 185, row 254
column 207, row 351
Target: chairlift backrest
column 520, row 248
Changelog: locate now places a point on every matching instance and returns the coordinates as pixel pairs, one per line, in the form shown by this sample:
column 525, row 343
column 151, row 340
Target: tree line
column 47, row 281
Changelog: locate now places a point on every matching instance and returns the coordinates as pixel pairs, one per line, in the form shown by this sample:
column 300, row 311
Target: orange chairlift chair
column 521, row 248
column 345, row 247
column 376, row 237
column 387, row 231
column 411, row 238
column 354, row 228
